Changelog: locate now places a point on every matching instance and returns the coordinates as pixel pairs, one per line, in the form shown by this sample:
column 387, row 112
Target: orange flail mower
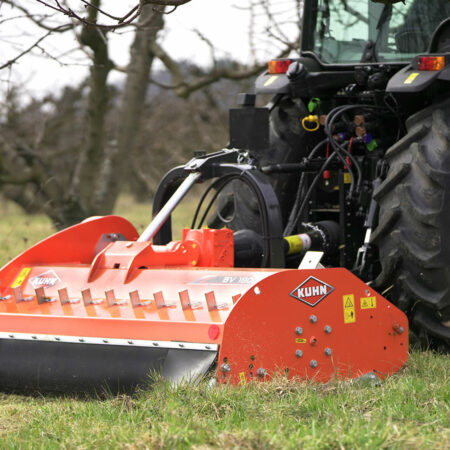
column 96, row 305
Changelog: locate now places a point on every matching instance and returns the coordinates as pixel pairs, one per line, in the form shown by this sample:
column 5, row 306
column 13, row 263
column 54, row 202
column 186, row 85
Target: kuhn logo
column 46, row 279
column 312, row 291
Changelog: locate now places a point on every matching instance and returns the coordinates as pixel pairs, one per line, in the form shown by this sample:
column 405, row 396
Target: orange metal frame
column 319, row 324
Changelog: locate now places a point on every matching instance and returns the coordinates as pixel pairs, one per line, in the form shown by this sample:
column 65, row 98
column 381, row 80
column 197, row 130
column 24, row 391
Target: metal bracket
column 311, row 260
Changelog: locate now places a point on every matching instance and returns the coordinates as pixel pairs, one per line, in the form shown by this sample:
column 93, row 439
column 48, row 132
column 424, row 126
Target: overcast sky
column 226, row 25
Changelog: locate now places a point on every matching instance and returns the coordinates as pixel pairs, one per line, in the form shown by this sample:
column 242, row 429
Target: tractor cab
column 354, row 31
column 367, row 42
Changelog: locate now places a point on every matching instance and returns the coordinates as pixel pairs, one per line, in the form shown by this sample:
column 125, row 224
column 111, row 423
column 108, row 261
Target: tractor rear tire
column 413, row 234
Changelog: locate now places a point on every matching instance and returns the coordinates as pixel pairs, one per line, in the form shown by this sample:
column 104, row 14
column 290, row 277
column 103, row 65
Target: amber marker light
column 279, row 66
column 431, row 63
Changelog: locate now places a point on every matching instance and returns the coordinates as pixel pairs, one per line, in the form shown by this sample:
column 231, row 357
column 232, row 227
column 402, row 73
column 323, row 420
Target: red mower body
column 91, row 306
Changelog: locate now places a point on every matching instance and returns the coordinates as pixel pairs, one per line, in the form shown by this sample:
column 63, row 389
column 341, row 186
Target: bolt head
column 313, row 363
column 225, row 368
column 261, row 372
column 299, row 330
column 328, row 351
column 328, row 329
column 298, row 353
column 313, row 318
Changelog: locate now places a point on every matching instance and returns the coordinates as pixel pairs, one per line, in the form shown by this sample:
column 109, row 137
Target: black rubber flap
column 72, row 367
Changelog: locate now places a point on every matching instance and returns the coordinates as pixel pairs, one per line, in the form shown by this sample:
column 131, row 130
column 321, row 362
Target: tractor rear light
column 279, row 65
column 431, row 62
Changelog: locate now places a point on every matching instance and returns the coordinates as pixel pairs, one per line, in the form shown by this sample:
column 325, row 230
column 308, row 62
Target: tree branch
column 120, row 22
column 38, row 19
column 28, row 50
column 184, row 88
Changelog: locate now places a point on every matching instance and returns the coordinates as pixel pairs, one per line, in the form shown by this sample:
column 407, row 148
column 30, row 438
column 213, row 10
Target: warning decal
column 300, row 341
column 242, row 378
column 271, row 80
column 22, row 277
column 368, row 302
column 411, row 78
column 349, row 308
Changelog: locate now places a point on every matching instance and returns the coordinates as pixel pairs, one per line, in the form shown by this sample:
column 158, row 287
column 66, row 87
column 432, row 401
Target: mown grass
column 408, row 410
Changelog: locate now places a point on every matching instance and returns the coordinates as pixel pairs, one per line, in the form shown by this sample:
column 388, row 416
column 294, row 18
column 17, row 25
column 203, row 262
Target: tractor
column 356, row 142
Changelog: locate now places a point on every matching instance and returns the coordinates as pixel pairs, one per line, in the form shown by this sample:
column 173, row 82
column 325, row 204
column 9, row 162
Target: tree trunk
column 91, row 160
column 118, row 171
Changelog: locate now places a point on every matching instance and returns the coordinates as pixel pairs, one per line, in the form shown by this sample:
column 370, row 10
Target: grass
column 408, row 410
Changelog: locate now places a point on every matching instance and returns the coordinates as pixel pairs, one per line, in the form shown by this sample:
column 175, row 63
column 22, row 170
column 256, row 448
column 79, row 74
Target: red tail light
column 431, row 62
column 279, row 65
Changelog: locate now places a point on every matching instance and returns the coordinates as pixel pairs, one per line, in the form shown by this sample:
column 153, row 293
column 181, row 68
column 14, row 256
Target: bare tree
column 95, row 174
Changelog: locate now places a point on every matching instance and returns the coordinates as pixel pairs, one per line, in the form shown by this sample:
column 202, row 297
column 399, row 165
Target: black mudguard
column 411, row 80
column 268, row 83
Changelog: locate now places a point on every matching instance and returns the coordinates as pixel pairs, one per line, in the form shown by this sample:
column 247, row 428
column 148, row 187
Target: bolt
column 299, row 330
column 327, row 329
column 313, row 363
column 328, row 351
column 298, row 353
column 398, row 328
column 225, row 368
column 261, row 372
column 313, row 318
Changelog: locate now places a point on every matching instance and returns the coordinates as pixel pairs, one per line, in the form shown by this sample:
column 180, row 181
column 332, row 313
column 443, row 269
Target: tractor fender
column 272, row 84
column 411, row 80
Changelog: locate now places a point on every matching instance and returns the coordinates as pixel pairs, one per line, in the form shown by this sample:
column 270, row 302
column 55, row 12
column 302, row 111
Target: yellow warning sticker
column 300, row 341
column 349, row 308
column 347, row 178
column 411, row 78
column 368, row 302
column 242, row 378
column 270, row 80
column 22, row 277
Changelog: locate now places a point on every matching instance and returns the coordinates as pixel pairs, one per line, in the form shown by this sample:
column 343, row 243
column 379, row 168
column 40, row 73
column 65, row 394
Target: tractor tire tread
column 412, row 235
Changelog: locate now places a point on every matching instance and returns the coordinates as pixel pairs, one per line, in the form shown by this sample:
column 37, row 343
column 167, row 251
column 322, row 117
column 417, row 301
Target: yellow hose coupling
column 312, row 120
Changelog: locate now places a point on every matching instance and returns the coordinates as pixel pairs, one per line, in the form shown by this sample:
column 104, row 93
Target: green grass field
column 408, row 410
